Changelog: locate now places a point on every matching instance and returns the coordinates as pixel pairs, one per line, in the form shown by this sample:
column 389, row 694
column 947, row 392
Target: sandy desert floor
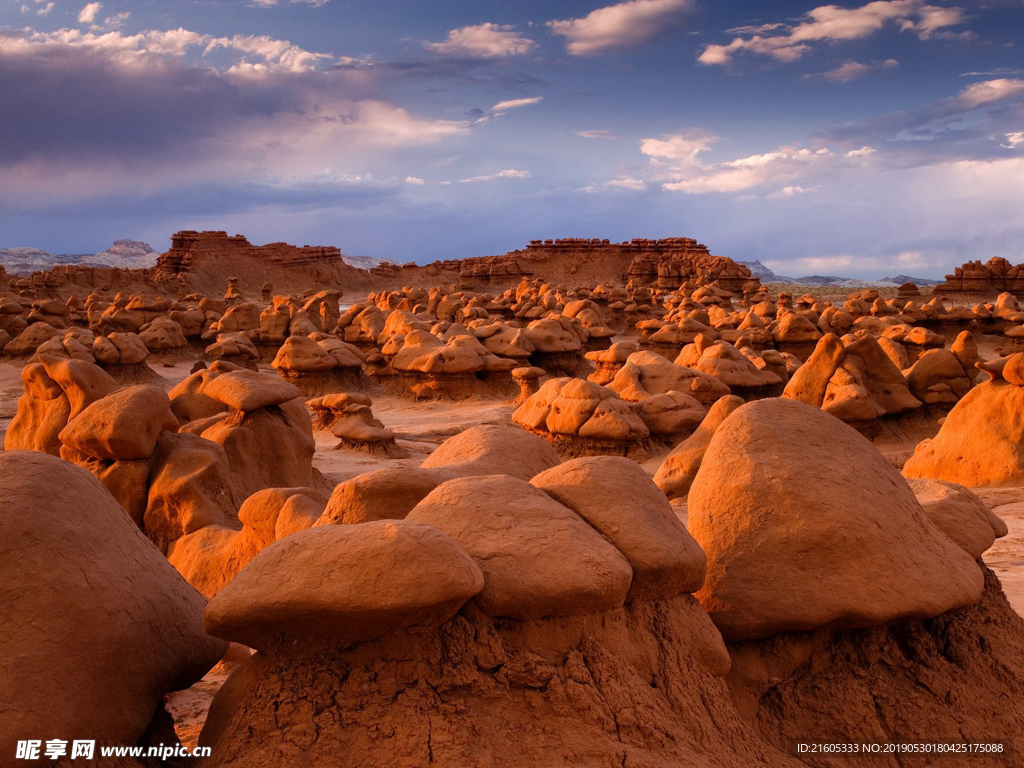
column 422, row 426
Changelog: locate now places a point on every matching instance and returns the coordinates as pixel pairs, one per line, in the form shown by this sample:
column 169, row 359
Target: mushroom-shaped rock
column 648, row 373
column 163, row 333
column 730, row 366
column 356, row 427
column 97, row 626
column 28, row 340
column 124, row 425
column 981, row 442
column 492, row 449
column 794, row 544
column 959, row 514
column 670, row 414
column 938, row 376
column 300, row 354
column 345, row 583
column 580, row 417
column 618, row 498
column 857, row 382
column 244, row 390
column 328, row 409
column 55, row 390
column 538, row 557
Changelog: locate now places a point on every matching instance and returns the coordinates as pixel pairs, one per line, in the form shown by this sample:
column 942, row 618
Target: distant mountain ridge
column 757, row 269
column 367, row 262
column 132, row 254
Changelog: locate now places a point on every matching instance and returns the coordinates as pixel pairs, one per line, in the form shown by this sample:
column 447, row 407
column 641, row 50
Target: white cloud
column 1014, row 140
column 681, row 147
column 415, row 180
column 619, row 26
column 830, row 23
column 45, row 10
column 506, row 174
column 862, row 152
column 852, row 70
column 88, row 13
column 596, row 134
column 259, row 54
column 791, row 191
column 622, row 184
column 513, row 103
column 687, row 173
column 990, row 91
column 483, row 41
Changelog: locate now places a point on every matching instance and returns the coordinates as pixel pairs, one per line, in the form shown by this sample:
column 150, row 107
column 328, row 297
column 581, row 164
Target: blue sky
column 863, row 139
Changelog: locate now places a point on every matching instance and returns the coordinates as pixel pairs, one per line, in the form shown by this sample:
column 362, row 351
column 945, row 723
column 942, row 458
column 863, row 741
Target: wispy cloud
column 787, row 42
column 483, row 41
column 596, row 134
column 849, row 71
column 621, row 184
column 501, row 106
column 272, row 3
column 623, row 25
column 509, row 173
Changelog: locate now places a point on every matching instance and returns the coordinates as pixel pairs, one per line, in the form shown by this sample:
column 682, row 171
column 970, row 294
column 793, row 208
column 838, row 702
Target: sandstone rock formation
column 96, row 625
column 981, row 441
column 789, row 551
column 582, row 418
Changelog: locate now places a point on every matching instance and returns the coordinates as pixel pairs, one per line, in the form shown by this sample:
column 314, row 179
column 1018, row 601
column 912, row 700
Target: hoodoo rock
column 855, row 382
column 505, row 524
column 981, row 441
column 579, row 417
column 959, row 514
column 666, row 561
column 493, row 450
column 352, row 582
column 95, row 625
column 793, row 545
column 676, row 474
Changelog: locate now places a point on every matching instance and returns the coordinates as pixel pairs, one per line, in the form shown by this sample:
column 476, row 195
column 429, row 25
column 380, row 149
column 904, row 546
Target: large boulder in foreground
column 95, row 624
column 806, row 525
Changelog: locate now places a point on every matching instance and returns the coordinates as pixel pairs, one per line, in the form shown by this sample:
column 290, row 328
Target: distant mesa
column 996, row 275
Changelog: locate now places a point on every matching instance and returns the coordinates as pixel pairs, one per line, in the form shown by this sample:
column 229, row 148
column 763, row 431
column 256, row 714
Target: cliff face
column 202, row 262
column 205, row 260
column 666, row 262
column 994, row 276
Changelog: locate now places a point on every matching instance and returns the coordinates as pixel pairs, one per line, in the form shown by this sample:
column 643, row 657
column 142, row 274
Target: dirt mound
column 957, row 676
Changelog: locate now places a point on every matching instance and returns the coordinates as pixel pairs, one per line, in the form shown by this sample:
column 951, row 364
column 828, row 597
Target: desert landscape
column 645, row 511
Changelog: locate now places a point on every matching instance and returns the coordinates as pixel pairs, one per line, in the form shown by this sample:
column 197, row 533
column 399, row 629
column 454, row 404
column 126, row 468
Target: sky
column 864, row 139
